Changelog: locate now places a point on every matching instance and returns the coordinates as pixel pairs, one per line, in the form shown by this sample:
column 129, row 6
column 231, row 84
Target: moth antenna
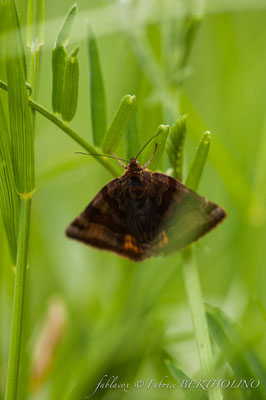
column 150, row 160
column 105, row 155
column 119, row 160
column 146, row 144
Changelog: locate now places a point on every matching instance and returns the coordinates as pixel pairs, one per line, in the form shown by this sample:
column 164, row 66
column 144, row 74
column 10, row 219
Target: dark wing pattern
column 185, row 216
column 159, row 217
column 103, row 224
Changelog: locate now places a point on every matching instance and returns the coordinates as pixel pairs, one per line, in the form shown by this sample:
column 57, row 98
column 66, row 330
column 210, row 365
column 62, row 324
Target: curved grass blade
column 65, row 30
column 119, row 124
column 160, row 139
column 197, row 166
column 132, row 138
column 97, row 92
column 243, row 361
column 192, row 24
column 183, row 381
column 192, row 282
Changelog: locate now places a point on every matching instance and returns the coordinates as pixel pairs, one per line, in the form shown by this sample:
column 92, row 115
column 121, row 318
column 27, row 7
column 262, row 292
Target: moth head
column 135, row 172
column 135, row 166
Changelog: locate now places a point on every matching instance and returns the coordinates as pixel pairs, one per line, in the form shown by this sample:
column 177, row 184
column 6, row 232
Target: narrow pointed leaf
column 69, row 99
column 65, row 30
column 9, row 200
column 199, row 161
column 19, row 109
column 183, row 381
column 119, row 124
column 191, row 29
column 243, row 361
column 132, row 138
column 159, row 140
column 97, row 92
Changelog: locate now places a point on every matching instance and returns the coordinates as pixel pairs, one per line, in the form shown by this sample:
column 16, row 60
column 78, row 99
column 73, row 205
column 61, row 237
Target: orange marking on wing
column 130, row 244
column 165, row 238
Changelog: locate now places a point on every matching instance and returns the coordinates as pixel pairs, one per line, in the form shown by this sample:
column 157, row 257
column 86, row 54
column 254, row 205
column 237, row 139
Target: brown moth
column 143, row 214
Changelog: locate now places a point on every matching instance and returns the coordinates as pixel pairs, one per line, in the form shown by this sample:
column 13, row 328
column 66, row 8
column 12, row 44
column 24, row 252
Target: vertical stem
column 18, row 301
column 34, row 63
column 197, row 309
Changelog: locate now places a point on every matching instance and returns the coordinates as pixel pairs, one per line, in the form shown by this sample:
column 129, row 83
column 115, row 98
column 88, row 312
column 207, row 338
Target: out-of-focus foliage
column 116, row 317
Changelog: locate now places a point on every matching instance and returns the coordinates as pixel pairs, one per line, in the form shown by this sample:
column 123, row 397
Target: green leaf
column 175, row 146
column 19, row 109
column 199, row 161
column 132, row 138
column 159, row 140
column 97, row 92
column 65, row 30
column 35, row 23
column 9, row 200
column 192, row 24
column 69, row 99
column 59, row 58
column 183, row 380
column 119, row 124
column 71, row 133
column 243, row 361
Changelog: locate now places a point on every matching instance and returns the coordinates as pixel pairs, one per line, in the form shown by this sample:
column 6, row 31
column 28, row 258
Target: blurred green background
column 91, row 313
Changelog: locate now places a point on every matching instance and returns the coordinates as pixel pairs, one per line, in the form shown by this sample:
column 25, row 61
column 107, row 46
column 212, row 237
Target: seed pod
column 59, row 58
column 58, row 64
column 69, row 99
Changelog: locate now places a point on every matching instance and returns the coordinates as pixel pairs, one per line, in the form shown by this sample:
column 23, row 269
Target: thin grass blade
column 132, row 138
column 197, row 166
column 65, row 30
column 243, row 361
column 9, row 200
column 35, row 39
column 159, row 140
column 183, row 382
column 35, row 23
column 97, row 92
column 119, row 124
column 19, row 109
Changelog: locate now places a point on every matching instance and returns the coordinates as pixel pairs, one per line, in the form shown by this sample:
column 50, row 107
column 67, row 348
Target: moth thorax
column 134, row 165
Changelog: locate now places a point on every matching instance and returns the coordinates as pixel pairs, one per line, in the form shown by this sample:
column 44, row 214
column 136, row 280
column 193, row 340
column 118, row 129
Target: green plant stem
column 197, row 309
column 73, row 135
column 19, row 297
column 88, row 147
column 34, row 63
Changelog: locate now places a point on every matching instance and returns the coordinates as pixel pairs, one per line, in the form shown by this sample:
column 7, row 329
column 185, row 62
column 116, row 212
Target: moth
column 143, row 214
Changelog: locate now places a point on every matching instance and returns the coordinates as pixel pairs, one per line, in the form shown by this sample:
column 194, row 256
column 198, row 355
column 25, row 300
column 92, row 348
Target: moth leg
column 119, row 161
column 150, row 160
